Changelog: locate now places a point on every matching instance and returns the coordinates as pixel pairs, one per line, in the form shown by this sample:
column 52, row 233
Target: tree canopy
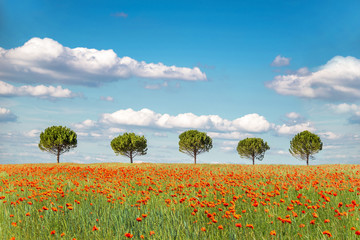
column 129, row 145
column 57, row 140
column 252, row 148
column 193, row 143
column 304, row 145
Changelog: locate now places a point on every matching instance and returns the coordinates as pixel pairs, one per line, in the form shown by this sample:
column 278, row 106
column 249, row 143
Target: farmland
column 179, row 201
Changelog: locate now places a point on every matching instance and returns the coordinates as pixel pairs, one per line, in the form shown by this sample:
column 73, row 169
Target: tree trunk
column 253, row 158
column 131, row 157
column 194, row 157
column 307, row 160
column 58, row 155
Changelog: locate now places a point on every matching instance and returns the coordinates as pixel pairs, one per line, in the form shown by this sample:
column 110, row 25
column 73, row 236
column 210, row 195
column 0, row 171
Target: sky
column 232, row 69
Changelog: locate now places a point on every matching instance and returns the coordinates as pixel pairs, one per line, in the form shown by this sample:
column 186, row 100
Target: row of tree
column 58, row 140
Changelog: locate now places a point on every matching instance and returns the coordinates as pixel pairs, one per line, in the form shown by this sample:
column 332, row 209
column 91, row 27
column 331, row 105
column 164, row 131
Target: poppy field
column 179, row 201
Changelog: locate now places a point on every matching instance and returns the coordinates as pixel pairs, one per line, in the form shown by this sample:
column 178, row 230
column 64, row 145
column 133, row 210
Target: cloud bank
column 338, row 79
column 47, row 61
column 39, row 91
column 215, row 126
column 146, row 117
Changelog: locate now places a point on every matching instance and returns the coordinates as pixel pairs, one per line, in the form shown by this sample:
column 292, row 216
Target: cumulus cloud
column 285, row 129
column 39, row 91
column 46, row 60
column 146, row 117
column 338, row 79
column 280, row 61
column 6, row 115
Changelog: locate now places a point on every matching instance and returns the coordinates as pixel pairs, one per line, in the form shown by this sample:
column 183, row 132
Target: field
column 179, row 201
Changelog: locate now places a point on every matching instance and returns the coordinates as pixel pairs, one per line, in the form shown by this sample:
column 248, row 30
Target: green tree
column 129, row 145
column 193, row 142
column 252, row 148
column 304, row 145
column 57, row 140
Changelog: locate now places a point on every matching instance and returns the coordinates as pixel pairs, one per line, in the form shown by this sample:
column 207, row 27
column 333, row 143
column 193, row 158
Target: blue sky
column 233, row 69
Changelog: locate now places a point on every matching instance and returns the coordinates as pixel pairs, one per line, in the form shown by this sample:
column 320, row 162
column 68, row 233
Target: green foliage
column 193, row 142
column 129, row 145
column 57, row 140
column 252, row 148
column 304, row 145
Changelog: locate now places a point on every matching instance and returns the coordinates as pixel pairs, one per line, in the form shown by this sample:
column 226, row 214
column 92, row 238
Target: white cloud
column 156, row 86
column 339, row 78
column 345, row 108
column 281, row 152
column 39, row 91
column 108, row 98
column 117, row 130
column 280, row 61
column 293, row 129
column 227, row 149
column 146, row 117
column 33, row 133
column 6, row 115
column 95, row 134
column 229, row 146
column 331, row 147
column 159, row 134
column 45, row 60
column 293, row 115
column 329, row 135
column 83, row 134
column 85, row 124
column 229, row 135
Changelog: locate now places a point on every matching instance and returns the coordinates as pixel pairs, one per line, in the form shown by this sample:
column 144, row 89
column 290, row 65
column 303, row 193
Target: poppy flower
column 52, row 232
column 327, row 233
column 250, row 226
column 95, row 228
column 128, row 235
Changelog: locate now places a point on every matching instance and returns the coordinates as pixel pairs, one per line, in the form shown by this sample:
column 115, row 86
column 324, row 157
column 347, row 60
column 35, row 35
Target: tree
column 129, row 145
column 193, row 143
column 57, row 140
column 252, row 148
column 304, row 145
